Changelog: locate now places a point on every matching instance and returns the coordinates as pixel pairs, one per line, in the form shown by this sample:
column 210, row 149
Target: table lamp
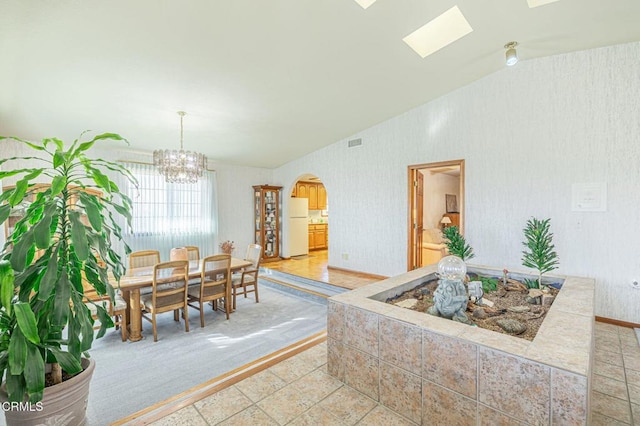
column 445, row 222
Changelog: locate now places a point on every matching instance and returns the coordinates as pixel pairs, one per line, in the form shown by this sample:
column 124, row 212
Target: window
column 167, row 215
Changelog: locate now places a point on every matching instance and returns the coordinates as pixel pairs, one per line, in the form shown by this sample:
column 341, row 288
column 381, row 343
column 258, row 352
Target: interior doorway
column 436, row 200
column 309, row 231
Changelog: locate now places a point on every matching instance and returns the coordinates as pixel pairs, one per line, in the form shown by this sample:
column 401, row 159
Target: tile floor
column 299, row 391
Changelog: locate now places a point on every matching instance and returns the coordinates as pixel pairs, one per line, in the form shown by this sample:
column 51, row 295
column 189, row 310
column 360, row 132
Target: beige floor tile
column 222, row 405
column 285, row 405
column 598, row 419
column 317, row 385
column 632, row 361
column 315, row 416
column 610, row 387
column 634, row 394
column 632, row 377
column 250, row 417
column 383, row 416
column 610, row 407
column 614, row 358
column 188, row 416
column 292, row 369
column 635, row 412
column 260, row 385
column 347, row 405
column 609, row 341
column 608, row 328
column 609, row 370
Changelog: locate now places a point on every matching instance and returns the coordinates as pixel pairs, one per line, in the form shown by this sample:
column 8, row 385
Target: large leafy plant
column 456, row 244
column 539, row 253
column 64, row 239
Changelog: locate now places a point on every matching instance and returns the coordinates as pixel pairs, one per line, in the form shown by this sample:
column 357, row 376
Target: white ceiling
column 263, row 82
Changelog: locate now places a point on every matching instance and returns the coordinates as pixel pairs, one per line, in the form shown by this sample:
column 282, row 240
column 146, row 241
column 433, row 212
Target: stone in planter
column 511, row 326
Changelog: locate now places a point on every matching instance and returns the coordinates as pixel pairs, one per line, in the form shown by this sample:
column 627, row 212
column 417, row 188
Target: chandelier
column 179, row 166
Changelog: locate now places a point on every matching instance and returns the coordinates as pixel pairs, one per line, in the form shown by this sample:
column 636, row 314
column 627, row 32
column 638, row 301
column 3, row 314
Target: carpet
column 130, row 376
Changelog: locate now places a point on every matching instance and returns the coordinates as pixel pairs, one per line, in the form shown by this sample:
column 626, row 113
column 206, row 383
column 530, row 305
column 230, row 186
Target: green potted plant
column 456, row 244
column 539, row 253
column 61, row 242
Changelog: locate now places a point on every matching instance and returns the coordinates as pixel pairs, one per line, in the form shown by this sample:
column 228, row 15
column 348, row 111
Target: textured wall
column 527, row 134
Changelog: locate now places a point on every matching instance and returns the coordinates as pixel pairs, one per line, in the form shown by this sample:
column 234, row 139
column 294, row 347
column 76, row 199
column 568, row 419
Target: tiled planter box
column 436, row 371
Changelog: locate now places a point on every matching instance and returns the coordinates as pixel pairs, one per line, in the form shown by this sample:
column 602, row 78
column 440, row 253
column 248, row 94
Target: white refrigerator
column 298, row 226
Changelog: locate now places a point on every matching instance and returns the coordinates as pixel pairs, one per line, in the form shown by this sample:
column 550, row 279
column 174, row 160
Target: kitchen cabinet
column 315, row 192
column 322, row 197
column 318, row 236
column 266, row 206
column 313, row 197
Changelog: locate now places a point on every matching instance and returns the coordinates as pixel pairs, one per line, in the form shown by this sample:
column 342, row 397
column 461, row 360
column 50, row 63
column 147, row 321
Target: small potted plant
column 539, row 253
column 227, row 247
column 59, row 244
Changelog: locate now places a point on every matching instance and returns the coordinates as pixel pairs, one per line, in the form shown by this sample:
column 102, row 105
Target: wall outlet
column 345, row 256
column 635, row 284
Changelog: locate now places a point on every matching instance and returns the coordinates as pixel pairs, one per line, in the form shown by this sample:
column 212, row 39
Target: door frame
column 414, row 235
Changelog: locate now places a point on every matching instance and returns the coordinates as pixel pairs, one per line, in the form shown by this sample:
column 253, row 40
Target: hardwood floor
column 315, row 267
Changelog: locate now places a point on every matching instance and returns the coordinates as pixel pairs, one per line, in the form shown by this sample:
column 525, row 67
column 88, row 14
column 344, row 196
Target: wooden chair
column 193, row 252
column 140, row 259
column 117, row 309
column 241, row 281
column 169, row 293
column 215, row 282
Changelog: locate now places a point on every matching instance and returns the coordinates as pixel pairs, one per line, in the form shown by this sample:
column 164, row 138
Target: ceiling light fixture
column 511, row 54
column 180, row 166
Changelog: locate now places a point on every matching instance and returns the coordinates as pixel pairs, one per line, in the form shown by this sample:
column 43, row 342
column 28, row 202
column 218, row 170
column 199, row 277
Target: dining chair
column 116, row 309
column 215, row 282
column 193, row 252
column 169, row 293
column 140, row 259
column 248, row 277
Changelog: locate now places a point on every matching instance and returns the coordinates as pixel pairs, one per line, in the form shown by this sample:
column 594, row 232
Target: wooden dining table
column 138, row 278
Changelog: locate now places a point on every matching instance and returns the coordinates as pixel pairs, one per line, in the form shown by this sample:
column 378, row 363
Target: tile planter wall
column 436, row 371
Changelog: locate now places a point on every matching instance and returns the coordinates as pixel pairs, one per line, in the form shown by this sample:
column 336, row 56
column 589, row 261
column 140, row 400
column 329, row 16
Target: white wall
column 527, row 134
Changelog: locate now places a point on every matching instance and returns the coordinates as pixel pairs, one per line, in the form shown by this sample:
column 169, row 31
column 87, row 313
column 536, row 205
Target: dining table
column 139, row 278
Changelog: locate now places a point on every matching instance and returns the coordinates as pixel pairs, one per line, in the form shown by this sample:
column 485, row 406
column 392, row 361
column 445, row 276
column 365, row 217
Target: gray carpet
column 130, row 376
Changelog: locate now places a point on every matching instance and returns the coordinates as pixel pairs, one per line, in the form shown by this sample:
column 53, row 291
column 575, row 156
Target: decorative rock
column 487, row 302
column 511, row 326
column 479, row 313
column 518, row 309
column 534, row 292
column 425, row 291
column 532, row 300
column 407, row 303
column 547, row 299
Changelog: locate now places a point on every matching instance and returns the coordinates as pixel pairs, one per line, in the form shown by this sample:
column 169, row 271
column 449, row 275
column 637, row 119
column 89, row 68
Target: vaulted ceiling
column 263, row 82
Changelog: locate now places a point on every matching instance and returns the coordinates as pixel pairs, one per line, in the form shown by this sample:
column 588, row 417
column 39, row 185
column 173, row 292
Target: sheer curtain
column 167, row 215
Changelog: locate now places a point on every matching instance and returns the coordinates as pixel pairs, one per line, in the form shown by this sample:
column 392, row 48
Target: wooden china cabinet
column 266, row 206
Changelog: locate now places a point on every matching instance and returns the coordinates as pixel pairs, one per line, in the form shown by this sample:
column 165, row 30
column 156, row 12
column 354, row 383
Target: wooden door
column 419, row 217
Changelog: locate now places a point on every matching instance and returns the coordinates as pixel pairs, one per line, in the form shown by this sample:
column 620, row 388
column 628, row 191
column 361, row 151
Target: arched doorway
column 308, row 218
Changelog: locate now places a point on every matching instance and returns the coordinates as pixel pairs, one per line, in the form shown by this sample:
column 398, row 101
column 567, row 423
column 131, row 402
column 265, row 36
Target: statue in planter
column 450, row 297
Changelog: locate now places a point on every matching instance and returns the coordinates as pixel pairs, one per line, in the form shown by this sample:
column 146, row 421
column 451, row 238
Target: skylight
column 438, row 33
column 365, row 3
column 536, row 3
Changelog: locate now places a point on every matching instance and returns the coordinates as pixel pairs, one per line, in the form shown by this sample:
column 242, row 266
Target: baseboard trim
column 361, row 274
column 617, row 322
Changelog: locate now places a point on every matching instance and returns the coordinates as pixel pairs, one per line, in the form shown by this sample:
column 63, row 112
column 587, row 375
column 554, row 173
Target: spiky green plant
column 43, row 316
column 540, row 253
column 456, row 243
